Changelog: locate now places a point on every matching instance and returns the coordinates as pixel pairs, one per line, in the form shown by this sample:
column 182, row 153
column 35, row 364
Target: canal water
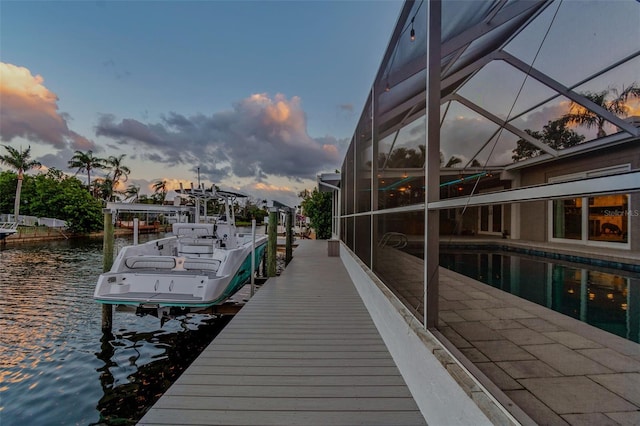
column 56, row 366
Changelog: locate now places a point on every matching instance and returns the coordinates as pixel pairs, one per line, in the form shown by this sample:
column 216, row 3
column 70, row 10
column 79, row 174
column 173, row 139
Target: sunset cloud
column 269, row 187
column 265, row 191
column 29, row 110
column 634, row 107
column 259, row 136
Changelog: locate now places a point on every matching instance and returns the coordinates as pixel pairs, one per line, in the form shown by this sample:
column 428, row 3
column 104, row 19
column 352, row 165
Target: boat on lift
column 198, row 266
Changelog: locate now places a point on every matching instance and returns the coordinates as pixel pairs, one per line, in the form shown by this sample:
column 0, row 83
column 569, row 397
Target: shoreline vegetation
column 44, row 233
column 28, row 234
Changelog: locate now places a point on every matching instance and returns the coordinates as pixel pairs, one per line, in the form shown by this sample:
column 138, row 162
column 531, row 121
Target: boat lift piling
column 272, row 242
column 136, row 230
column 107, row 261
column 289, row 237
column 253, row 257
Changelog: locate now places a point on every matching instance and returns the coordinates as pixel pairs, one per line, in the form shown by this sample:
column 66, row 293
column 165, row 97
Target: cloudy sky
column 259, row 96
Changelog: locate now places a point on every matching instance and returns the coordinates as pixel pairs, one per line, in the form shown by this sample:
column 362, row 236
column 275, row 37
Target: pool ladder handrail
column 397, row 239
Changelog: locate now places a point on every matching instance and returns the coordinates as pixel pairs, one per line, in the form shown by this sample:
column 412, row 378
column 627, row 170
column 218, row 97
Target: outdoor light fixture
column 413, row 32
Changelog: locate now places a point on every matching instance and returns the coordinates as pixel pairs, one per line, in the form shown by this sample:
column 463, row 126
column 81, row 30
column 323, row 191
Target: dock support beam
column 272, row 246
column 107, row 261
column 289, row 238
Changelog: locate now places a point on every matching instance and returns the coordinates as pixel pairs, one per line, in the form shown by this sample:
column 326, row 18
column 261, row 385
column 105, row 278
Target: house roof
column 328, row 182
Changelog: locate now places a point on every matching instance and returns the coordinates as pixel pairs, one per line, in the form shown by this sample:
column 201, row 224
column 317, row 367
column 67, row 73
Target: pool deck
column 303, row 351
column 544, row 367
column 558, row 370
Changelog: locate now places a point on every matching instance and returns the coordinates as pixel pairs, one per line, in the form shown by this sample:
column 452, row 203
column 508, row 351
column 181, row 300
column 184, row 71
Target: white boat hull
column 179, row 272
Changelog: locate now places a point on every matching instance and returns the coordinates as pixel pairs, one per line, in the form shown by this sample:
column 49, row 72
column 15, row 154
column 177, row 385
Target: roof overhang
column 328, row 182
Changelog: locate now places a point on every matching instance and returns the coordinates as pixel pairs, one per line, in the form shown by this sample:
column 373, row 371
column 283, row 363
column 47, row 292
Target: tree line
column 55, row 194
column 557, row 135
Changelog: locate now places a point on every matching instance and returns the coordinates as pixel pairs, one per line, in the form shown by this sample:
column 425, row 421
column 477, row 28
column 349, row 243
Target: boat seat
column 219, row 255
column 150, row 262
column 196, row 230
column 190, row 241
column 202, row 264
column 195, row 249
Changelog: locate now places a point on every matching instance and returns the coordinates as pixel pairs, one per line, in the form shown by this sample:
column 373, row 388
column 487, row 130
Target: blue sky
column 261, row 96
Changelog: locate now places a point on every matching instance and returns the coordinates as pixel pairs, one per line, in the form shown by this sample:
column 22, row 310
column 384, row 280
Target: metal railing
column 393, row 239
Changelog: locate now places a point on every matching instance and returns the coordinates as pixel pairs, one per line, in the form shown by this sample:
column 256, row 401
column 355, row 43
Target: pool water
column 607, row 298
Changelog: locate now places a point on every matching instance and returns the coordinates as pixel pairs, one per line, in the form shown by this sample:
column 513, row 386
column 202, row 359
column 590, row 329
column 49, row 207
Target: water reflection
column 56, row 367
column 139, row 367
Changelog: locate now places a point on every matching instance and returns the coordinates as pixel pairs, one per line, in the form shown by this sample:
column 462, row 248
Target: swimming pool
column 607, row 296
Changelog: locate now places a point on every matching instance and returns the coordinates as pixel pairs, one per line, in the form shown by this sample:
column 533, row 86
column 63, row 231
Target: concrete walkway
column 303, row 351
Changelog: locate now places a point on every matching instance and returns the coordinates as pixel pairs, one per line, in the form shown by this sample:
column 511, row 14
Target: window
column 608, row 218
column 604, row 220
column 567, row 219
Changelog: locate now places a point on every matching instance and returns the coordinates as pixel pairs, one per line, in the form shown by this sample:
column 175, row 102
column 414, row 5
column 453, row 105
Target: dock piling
column 107, row 261
column 289, row 237
column 253, row 257
column 272, row 242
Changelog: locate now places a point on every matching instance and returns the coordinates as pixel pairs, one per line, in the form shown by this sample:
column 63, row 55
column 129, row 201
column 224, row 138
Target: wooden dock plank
column 275, row 354
column 302, row 351
column 302, row 348
column 279, row 403
column 294, row 371
column 280, row 418
column 294, row 381
column 280, row 391
column 293, row 361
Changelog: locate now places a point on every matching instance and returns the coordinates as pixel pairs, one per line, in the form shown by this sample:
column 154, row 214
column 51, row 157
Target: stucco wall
column 628, row 153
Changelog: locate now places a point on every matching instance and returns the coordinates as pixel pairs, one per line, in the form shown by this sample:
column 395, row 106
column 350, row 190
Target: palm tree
column 55, row 174
column 20, row 161
column 583, row 117
column 132, row 191
column 114, row 164
column 160, row 189
column 453, row 161
column 85, row 162
column 102, row 188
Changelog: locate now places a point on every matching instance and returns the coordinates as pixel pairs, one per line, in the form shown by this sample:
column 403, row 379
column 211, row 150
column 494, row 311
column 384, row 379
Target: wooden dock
column 303, row 351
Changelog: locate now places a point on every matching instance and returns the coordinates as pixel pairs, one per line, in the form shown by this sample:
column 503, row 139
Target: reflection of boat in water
column 141, row 362
column 200, row 265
